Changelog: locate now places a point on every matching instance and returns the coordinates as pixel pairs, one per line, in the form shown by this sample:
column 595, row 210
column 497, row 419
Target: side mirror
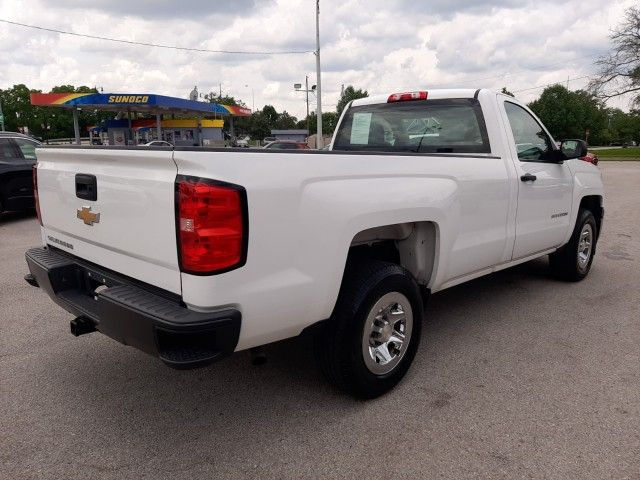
column 573, row 149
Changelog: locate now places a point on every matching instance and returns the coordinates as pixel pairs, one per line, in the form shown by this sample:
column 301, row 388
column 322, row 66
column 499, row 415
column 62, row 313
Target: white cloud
column 376, row 45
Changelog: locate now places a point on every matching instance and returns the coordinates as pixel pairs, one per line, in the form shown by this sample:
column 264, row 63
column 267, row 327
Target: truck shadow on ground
column 124, row 397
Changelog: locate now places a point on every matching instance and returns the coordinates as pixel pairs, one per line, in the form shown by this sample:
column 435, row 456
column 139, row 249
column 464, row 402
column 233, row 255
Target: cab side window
column 532, row 142
column 27, row 147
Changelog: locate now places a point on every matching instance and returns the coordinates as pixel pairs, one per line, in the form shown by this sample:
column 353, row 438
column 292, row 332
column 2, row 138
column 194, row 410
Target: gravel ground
column 518, row 376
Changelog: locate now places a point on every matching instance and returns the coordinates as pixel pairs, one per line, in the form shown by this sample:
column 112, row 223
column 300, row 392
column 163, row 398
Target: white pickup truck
column 190, row 254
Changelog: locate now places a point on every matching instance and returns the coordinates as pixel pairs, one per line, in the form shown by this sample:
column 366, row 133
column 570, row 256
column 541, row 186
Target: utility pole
column 2, row 115
column 306, row 88
column 76, row 126
column 319, row 143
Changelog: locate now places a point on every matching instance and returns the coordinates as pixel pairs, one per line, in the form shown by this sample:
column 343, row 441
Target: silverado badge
column 87, row 216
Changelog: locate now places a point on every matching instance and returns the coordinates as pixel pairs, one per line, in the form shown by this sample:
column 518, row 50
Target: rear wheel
column 573, row 261
column 373, row 334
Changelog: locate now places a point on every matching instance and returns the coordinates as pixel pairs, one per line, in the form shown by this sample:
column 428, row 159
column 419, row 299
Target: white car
column 242, row 142
column 192, row 254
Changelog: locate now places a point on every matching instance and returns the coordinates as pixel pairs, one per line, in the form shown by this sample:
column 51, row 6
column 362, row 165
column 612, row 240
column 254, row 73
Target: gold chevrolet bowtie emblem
column 87, row 216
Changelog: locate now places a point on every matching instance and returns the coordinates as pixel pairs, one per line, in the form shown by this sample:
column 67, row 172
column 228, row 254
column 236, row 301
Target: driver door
column 545, row 186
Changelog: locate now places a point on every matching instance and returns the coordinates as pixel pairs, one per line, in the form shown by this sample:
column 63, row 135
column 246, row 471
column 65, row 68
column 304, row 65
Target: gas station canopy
column 137, row 102
column 146, row 102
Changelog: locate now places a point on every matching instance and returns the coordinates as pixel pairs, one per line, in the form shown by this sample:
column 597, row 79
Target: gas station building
column 197, row 130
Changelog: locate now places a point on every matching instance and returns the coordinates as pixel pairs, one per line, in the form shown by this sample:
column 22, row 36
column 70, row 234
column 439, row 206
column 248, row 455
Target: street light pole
column 319, row 143
column 298, row 88
column 253, row 99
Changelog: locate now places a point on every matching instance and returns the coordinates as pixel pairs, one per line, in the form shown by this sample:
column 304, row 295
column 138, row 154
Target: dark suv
column 17, row 158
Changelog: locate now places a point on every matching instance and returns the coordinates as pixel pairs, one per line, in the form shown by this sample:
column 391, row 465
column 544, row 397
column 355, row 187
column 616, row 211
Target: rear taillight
column 211, row 222
column 407, row 96
column 35, row 193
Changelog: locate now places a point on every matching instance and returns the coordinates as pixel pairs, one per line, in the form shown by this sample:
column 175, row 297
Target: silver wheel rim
column 585, row 246
column 387, row 333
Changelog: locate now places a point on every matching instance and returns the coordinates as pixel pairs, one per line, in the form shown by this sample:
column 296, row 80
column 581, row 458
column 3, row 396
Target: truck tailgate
column 135, row 233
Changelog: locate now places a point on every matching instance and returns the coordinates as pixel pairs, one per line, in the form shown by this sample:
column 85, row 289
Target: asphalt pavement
column 518, row 376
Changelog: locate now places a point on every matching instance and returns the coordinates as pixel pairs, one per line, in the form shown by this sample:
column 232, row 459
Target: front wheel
column 373, row 334
column 573, row 261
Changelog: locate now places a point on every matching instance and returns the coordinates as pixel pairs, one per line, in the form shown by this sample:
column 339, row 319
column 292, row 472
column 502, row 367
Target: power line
column 517, row 72
column 551, row 84
column 158, row 45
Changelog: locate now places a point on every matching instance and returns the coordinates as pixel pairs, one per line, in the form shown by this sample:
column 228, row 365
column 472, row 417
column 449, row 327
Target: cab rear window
column 423, row 126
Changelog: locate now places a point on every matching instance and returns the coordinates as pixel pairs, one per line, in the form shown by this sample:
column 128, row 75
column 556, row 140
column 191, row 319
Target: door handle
column 527, row 177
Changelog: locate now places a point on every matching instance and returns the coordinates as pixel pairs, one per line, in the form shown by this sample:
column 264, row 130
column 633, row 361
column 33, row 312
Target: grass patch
column 631, row 153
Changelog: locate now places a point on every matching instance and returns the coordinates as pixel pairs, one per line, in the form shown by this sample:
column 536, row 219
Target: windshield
column 431, row 126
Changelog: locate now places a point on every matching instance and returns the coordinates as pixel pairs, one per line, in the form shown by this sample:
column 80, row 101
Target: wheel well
column 593, row 203
column 411, row 245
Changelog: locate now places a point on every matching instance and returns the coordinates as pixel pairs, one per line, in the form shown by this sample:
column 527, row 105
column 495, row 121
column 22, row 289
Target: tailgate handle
column 86, row 186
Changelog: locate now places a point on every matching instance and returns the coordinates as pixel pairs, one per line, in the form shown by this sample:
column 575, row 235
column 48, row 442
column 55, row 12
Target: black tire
column 565, row 262
column 339, row 347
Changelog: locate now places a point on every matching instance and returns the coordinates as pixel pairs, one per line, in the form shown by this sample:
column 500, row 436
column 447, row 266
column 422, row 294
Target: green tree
column 506, row 92
column 63, row 89
column 58, row 122
column 348, row 95
column 285, row 121
column 623, row 127
column 46, row 122
column 256, row 126
column 270, row 114
column 329, row 122
column 230, row 100
column 224, row 99
column 570, row 114
column 260, row 123
column 634, row 125
column 17, row 108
